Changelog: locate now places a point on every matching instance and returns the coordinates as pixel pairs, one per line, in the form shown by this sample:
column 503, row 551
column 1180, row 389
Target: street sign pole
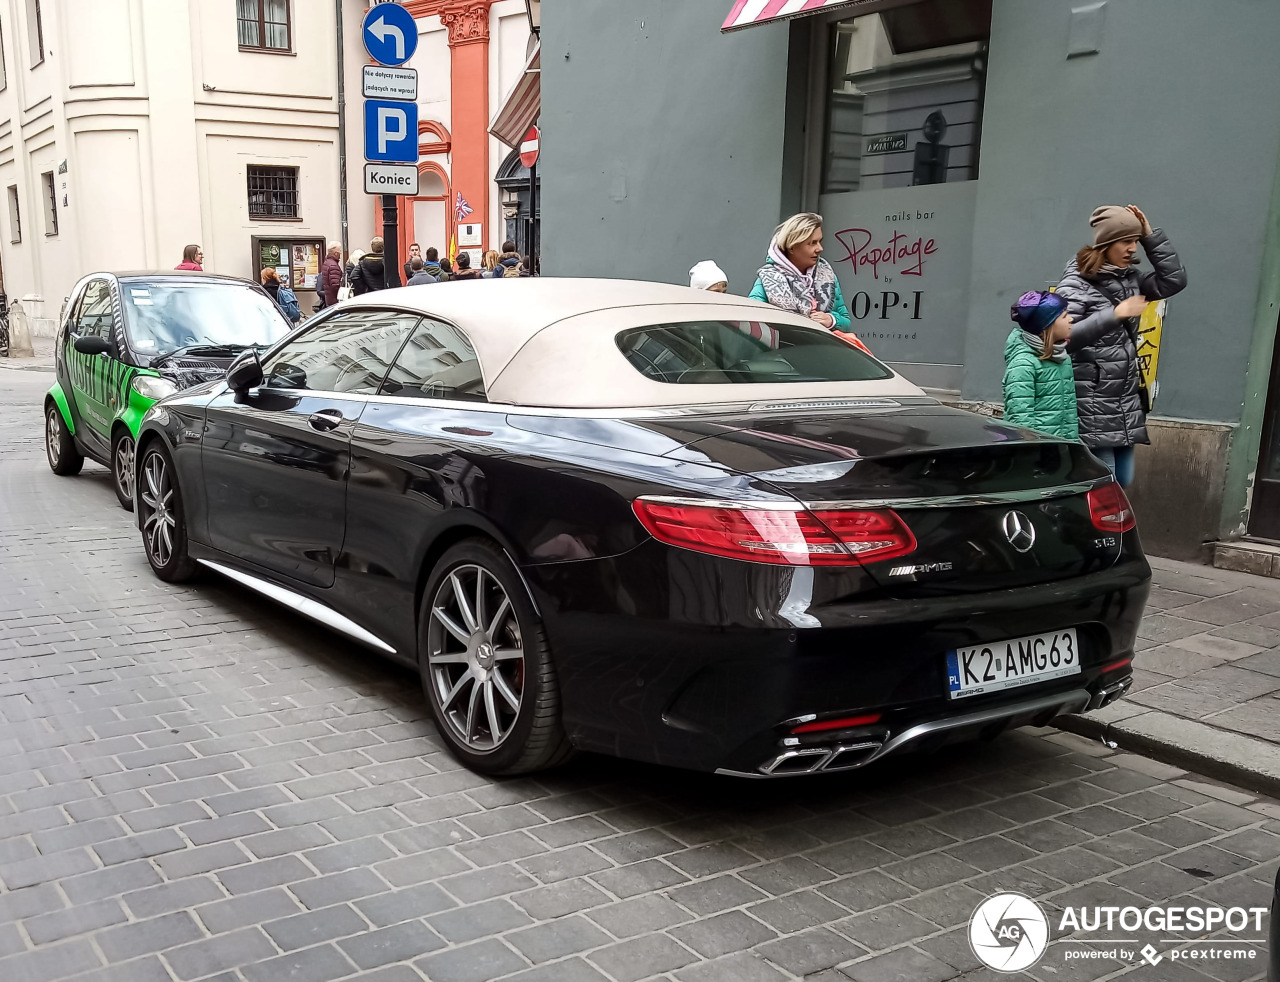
column 390, row 242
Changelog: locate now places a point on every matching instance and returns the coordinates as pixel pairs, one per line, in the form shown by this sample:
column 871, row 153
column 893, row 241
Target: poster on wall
column 270, row 257
column 306, row 266
column 903, row 258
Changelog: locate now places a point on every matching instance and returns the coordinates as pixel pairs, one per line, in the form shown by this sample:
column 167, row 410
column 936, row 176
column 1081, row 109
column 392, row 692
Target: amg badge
column 922, row 568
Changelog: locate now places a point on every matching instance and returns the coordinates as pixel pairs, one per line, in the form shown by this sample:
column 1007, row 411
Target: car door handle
column 326, row 419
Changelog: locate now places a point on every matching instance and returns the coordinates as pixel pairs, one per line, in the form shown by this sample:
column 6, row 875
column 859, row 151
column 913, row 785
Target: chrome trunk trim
column 305, row 606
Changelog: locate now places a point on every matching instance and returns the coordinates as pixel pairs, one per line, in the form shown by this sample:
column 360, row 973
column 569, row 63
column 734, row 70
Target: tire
column 122, row 468
column 515, row 692
column 65, row 459
column 162, row 517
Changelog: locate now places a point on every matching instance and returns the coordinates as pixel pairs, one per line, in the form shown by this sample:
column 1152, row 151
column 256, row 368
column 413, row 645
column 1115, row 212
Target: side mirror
column 91, row 344
column 245, row 372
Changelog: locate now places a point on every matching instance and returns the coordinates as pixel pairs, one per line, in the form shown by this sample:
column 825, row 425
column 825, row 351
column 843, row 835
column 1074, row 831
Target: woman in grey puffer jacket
column 1105, row 296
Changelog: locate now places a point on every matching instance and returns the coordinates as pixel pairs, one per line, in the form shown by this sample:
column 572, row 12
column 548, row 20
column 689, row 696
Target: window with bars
column 50, row 203
column 273, row 192
column 264, row 24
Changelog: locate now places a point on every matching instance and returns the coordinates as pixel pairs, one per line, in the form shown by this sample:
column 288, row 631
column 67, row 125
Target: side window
column 94, row 314
column 437, row 363
column 349, row 352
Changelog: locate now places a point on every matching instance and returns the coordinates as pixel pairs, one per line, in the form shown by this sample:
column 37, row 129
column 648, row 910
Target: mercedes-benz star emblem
column 1019, row 531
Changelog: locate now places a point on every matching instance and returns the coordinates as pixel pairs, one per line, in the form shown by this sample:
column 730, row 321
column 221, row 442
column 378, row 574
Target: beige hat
column 1111, row 223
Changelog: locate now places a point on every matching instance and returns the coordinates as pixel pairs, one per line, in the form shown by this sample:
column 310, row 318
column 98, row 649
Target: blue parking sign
column 390, row 35
column 391, row 131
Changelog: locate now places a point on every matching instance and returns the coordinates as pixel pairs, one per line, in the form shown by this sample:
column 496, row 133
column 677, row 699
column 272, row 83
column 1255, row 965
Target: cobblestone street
column 198, row 785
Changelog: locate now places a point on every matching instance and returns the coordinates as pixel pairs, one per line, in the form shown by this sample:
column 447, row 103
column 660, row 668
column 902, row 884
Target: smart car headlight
column 153, row 387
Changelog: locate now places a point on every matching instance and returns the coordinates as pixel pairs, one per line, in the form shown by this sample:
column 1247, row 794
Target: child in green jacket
column 1039, row 385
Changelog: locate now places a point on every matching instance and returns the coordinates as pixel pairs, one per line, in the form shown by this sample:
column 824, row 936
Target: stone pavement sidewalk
column 1206, row 693
column 42, row 361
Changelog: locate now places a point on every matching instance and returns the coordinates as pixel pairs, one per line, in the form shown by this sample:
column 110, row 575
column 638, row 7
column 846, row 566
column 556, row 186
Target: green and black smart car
column 128, row 340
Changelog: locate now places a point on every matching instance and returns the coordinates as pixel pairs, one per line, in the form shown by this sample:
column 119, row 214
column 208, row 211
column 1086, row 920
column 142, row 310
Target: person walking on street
column 490, row 264
column 369, row 273
column 706, row 275
column 415, row 252
column 796, row 278
column 463, row 270
column 280, row 292
column 192, row 259
column 330, row 276
column 419, row 275
column 1105, row 296
column 1039, row 386
column 432, row 265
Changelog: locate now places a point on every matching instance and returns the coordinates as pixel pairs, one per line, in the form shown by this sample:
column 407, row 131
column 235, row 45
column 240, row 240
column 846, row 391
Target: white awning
column 523, row 103
column 749, row 13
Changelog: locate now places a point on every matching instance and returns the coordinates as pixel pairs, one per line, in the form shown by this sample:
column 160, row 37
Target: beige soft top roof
column 549, row 341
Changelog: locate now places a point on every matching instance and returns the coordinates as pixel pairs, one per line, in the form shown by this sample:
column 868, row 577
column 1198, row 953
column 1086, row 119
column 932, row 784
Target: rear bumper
column 684, row 666
column 853, row 751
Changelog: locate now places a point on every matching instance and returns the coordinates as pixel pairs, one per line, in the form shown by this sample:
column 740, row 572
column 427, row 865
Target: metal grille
column 263, row 24
column 273, row 192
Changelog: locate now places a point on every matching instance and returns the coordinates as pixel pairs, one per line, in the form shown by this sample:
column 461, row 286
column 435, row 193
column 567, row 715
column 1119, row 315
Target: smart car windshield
column 710, row 352
column 162, row 318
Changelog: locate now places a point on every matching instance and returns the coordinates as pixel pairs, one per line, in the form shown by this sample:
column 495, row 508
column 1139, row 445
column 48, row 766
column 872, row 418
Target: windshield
column 710, row 352
column 162, row 317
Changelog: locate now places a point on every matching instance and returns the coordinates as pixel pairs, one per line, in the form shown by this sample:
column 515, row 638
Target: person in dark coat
column 415, row 252
column 463, row 270
column 509, row 261
column 331, row 276
column 1105, row 297
column 369, row 275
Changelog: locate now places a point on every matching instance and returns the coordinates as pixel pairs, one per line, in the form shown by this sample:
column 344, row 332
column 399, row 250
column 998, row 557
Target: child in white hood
column 708, row 276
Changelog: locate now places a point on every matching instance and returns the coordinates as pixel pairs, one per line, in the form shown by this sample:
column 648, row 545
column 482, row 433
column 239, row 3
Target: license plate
column 1008, row 664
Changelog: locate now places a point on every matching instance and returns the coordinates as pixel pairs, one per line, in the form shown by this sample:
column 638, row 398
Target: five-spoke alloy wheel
column 164, row 531
column 60, row 446
column 485, row 664
column 122, row 464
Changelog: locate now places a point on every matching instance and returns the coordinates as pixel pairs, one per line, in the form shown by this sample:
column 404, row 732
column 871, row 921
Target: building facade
column 132, row 128
column 956, row 149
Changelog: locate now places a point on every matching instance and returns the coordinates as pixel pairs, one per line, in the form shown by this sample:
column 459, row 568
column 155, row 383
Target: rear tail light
column 787, row 536
column 1110, row 509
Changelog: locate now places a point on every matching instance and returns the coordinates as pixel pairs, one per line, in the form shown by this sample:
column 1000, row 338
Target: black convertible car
column 651, row 522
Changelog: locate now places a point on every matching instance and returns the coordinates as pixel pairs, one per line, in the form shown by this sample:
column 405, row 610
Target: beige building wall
column 157, row 113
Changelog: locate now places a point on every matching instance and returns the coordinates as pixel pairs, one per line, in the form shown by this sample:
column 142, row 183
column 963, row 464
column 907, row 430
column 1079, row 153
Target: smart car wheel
column 163, row 521
column 122, row 461
column 59, row 444
column 486, row 666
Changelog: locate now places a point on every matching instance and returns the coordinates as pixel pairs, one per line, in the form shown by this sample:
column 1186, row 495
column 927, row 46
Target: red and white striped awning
column 523, row 103
column 749, row 13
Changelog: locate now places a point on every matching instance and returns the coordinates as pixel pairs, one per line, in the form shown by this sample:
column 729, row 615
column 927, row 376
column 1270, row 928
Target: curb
column 1232, row 758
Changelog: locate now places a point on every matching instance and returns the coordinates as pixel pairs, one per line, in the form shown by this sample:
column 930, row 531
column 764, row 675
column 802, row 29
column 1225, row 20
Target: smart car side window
column 349, row 352
column 438, row 362
column 94, row 314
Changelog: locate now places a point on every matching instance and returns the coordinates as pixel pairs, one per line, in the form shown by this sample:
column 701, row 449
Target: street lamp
column 532, row 9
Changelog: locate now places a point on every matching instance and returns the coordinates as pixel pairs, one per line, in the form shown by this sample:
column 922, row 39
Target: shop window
column 905, row 93
column 15, row 216
column 50, row 203
column 263, row 25
column 273, row 192
column 35, row 32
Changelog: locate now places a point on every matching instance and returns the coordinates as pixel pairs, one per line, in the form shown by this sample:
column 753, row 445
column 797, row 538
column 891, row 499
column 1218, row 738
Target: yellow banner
column 1150, row 329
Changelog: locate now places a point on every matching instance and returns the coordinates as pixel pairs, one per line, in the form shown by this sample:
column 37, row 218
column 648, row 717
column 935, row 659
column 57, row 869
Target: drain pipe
column 342, row 131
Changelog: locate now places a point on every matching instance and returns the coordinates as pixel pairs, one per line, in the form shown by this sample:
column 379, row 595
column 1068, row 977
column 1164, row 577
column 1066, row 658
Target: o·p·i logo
column 1008, row 932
